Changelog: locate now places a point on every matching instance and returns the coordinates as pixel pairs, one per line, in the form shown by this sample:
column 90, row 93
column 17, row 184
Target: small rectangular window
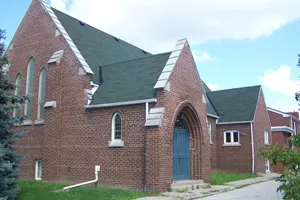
column 232, row 137
column 38, row 170
column 266, row 137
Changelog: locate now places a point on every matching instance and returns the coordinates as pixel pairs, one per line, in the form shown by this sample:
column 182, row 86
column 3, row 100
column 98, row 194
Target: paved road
column 265, row 191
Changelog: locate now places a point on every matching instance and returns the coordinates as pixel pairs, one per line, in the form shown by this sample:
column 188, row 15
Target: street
column 265, row 191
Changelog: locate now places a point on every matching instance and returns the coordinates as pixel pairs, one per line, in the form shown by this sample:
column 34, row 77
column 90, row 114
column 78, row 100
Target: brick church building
column 99, row 100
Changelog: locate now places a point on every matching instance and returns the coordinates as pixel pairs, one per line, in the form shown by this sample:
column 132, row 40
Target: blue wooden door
column 181, row 154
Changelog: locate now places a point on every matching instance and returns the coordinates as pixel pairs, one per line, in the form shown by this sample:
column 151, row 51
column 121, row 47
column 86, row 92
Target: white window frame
column 295, row 128
column 231, row 143
column 266, row 137
column 209, row 131
column 267, row 166
column 37, row 162
column 116, row 142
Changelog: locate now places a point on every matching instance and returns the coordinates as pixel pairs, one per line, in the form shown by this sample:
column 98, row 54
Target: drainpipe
column 252, row 148
column 147, row 110
column 97, row 170
column 145, row 151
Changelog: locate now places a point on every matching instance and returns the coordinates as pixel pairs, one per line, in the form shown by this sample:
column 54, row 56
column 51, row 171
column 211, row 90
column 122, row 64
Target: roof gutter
column 240, row 122
column 214, row 116
column 125, row 103
column 282, row 128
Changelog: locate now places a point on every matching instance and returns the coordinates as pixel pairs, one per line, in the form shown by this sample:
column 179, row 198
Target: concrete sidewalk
column 211, row 190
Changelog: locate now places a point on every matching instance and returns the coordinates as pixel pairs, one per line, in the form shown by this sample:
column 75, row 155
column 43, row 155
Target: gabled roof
column 130, row 80
column 235, row 105
column 97, row 47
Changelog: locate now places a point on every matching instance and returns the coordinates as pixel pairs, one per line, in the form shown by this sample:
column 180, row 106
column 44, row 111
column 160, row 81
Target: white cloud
column 280, row 81
column 201, row 56
column 60, row 4
column 214, row 87
column 156, row 25
column 284, row 106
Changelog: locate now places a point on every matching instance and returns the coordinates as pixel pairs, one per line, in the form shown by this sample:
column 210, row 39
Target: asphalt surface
column 266, row 191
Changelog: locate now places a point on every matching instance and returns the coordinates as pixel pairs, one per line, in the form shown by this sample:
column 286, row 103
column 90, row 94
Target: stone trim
column 70, row 42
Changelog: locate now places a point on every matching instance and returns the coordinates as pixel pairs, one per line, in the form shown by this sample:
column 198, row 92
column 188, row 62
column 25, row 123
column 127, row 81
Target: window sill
column 39, row 122
column 27, row 122
column 232, row 145
column 211, row 143
column 116, row 143
column 38, row 179
column 268, row 144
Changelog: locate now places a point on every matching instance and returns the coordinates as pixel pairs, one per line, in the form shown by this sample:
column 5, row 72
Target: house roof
column 130, row 80
column 97, row 47
column 235, row 105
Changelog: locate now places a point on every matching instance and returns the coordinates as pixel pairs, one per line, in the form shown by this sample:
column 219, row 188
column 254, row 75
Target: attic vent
column 144, row 52
column 100, row 75
column 81, row 23
column 117, row 39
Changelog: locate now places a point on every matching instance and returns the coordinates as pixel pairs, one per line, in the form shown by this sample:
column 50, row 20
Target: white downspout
column 97, row 170
column 147, row 110
column 252, row 148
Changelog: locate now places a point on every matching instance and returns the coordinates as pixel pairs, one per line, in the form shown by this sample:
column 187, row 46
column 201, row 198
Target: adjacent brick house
column 238, row 118
column 99, row 100
column 283, row 125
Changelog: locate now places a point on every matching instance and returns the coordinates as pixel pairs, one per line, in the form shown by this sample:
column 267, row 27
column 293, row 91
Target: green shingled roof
column 235, row 105
column 130, row 80
column 97, row 47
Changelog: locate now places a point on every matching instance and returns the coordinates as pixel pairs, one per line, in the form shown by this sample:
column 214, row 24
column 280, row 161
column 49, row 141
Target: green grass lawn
column 222, row 178
column 45, row 191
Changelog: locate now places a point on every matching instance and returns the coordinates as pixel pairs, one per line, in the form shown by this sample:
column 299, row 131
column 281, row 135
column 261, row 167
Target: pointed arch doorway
column 181, row 150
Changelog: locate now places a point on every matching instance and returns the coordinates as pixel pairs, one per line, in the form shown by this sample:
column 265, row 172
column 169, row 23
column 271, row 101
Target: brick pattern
column 213, row 146
column 185, row 96
column 74, row 139
column 260, row 125
column 279, row 137
column 234, row 158
column 238, row 159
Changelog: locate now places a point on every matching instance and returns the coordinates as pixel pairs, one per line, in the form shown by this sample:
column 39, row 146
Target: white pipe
column 97, row 169
column 147, row 110
column 252, row 148
column 125, row 103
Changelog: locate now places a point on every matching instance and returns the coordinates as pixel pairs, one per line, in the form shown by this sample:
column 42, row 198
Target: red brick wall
column 235, row 159
column 279, row 137
column 74, row 139
column 260, row 125
column 278, row 120
column 213, row 146
column 185, row 95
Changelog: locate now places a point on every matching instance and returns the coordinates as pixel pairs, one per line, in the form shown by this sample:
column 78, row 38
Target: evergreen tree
column 8, row 157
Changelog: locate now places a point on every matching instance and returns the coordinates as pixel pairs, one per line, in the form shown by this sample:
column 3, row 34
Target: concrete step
column 188, row 185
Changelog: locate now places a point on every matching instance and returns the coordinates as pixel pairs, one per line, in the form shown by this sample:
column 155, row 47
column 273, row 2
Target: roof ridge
column 235, row 88
column 125, row 61
column 98, row 29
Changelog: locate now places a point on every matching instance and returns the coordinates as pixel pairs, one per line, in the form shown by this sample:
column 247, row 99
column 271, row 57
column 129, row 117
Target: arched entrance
column 181, row 150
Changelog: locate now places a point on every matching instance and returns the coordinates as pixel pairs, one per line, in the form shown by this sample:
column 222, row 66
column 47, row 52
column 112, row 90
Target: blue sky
column 231, row 48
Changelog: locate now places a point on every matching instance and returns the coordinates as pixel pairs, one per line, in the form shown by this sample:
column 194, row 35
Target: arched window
column 29, row 87
column 209, row 131
column 42, row 94
column 117, row 127
column 18, row 84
